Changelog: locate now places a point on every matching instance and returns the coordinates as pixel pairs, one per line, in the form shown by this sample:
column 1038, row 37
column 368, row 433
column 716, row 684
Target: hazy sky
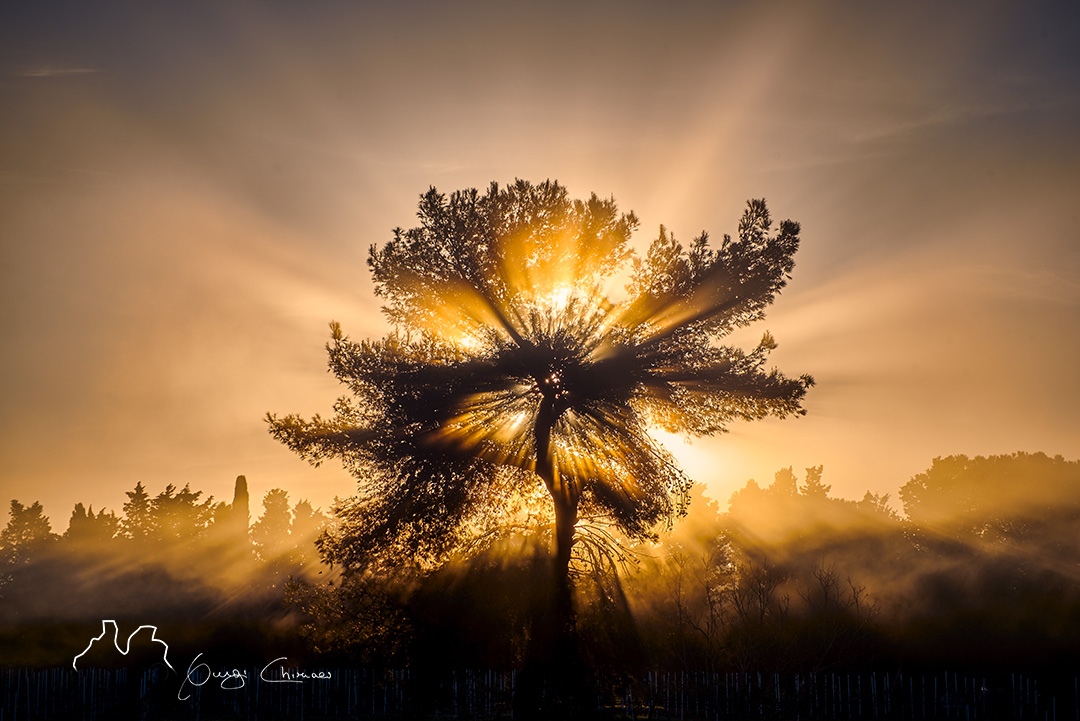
column 188, row 192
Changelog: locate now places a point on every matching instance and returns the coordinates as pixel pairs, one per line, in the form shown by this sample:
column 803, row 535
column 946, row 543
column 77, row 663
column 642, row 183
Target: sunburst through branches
column 516, row 365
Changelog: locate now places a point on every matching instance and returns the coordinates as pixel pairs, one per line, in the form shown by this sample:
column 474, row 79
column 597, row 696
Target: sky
column 188, row 193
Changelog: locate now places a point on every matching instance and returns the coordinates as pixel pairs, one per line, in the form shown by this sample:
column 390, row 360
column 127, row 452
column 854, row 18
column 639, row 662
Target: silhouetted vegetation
column 511, row 371
column 789, row 580
column 174, row 559
column 790, row 599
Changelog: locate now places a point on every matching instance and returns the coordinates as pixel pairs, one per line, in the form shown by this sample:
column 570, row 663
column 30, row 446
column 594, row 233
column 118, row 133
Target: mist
column 977, row 569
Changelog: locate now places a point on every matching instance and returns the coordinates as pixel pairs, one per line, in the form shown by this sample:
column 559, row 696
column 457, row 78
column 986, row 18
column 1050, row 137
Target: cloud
column 956, row 117
column 52, row 71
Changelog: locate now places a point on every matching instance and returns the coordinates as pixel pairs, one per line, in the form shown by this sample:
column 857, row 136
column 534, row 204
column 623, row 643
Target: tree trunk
column 553, row 668
column 562, row 601
column 565, row 495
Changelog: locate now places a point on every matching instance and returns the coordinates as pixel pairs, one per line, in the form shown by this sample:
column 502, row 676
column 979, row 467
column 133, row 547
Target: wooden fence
column 156, row 693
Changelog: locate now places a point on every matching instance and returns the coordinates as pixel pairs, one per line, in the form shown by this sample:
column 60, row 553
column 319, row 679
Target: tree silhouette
column 307, row 525
column 1006, row 497
column 26, row 534
column 814, row 488
column 513, row 361
column 87, row 528
column 236, row 516
column 270, row 533
column 137, row 523
column 177, row 516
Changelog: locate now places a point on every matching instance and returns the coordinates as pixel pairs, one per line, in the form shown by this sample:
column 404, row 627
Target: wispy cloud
column 54, row 71
column 958, row 116
column 12, row 177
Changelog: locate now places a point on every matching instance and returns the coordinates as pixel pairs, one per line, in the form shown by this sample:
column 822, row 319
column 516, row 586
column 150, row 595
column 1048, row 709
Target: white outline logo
column 116, row 642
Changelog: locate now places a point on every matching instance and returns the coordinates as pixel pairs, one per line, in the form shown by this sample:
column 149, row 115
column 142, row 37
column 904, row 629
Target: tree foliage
column 27, row 532
column 86, row 527
column 512, row 358
column 995, row 497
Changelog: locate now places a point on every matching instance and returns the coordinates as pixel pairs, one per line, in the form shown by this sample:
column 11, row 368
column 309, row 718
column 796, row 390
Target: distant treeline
column 175, row 559
column 980, row 572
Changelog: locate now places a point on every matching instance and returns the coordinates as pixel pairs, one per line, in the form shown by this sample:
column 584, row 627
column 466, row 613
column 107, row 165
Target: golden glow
column 183, row 248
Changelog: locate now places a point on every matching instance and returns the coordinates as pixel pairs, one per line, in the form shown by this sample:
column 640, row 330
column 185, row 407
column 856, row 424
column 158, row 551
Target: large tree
column 516, row 363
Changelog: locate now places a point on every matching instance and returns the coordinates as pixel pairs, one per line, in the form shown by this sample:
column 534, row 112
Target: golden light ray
column 524, row 363
column 548, row 285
